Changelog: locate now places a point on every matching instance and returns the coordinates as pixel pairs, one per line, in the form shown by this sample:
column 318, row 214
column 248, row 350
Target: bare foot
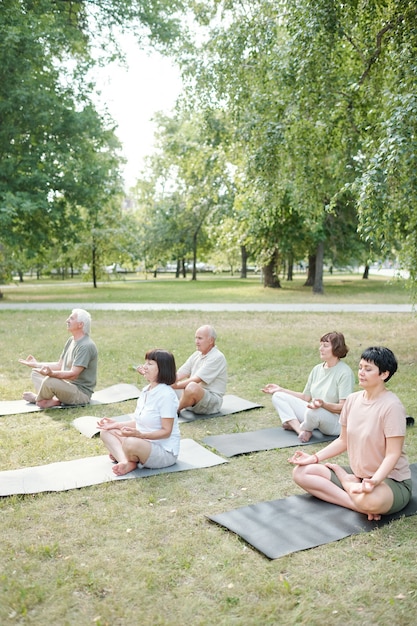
column 305, row 436
column 48, row 404
column 29, row 396
column 374, row 517
column 124, row 468
column 287, row 426
column 113, row 458
column 342, row 474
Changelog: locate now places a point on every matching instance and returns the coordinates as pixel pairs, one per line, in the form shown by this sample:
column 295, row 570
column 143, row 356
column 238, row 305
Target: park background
column 287, row 163
column 144, row 550
column 291, row 145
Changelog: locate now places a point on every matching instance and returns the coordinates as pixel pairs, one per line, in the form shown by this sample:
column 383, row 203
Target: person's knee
column 298, row 473
column 311, row 419
column 192, row 387
column 194, row 391
column 278, row 400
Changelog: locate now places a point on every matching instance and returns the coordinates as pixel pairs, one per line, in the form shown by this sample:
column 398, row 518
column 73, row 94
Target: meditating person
column 152, row 438
column 72, row 379
column 201, row 381
column 328, row 386
column 373, row 424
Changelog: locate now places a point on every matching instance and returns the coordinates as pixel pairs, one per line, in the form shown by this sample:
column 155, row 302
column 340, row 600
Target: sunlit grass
column 142, row 550
column 338, row 288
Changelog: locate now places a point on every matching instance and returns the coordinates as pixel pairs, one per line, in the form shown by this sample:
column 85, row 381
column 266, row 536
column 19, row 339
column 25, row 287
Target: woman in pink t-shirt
column 373, row 425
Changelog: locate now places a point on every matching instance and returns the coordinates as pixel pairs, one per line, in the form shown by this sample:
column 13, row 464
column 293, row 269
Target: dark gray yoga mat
column 258, row 440
column 280, row 527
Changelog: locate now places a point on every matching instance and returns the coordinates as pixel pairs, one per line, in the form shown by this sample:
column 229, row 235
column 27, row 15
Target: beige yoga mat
column 87, row 424
column 231, row 404
column 115, row 393
column 89, row 471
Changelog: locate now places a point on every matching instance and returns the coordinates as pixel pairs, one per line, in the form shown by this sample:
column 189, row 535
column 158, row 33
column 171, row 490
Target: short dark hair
column 383, row 358
column 167, row 371
column 339, row 347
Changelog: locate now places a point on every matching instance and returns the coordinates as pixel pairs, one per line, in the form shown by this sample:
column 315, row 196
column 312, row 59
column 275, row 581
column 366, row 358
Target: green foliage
column 59, row 158
column 320, row 99
column 188, row 188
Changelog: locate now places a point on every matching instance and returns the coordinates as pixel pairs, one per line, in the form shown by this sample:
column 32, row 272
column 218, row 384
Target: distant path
column 211, row 306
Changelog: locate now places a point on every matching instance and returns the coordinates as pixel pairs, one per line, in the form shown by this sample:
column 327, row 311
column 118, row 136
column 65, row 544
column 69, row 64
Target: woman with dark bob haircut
column 373, row 422
column 328, row 386
column 152, row 439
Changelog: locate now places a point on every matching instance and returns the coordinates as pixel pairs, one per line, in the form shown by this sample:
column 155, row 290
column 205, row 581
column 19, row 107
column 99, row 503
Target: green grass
column 143, row 551
column 338, row 288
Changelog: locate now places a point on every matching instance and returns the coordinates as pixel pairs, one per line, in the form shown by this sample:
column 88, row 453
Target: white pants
column 290, row 408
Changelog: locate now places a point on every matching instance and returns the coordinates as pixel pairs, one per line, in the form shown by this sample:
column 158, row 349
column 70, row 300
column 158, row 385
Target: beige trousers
column 66, row 392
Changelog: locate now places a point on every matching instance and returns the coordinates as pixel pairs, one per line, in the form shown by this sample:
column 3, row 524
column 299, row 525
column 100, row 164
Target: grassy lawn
column 338, row 288
column 142, row 551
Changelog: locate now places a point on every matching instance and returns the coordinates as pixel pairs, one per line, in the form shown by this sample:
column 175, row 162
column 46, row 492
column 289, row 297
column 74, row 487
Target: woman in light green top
column 321, row 402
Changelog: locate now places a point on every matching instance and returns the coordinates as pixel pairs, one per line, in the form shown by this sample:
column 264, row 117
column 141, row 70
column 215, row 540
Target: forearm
column 154, row 435
column 62, row 374
column 384, row 469
column 183, row 382
column 334, row 448
column 332, row 407
column 296, row 394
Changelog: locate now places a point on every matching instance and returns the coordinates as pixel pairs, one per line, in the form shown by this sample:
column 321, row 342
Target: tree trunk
column 94, row 267
column 270, row 272
column 194, row 274
column 290, row 268
column 318, row 279
column 311, row 271
column 244, row 263
column 366, row 272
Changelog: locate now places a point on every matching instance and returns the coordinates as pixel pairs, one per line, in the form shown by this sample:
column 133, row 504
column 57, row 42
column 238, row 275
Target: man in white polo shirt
column 202, row 379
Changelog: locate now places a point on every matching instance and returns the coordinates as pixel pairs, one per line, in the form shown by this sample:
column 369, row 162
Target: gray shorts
column 401, row 490
column 159, row 457
column 210, row 403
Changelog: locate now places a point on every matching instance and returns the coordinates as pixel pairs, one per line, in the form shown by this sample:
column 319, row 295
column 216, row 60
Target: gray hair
column 207, row 328
column 212, row 332
column 84, row 317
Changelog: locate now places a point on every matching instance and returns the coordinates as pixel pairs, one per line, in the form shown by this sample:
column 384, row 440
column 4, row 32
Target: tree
column 48, row 124
column 322, row 99
column 190, row 189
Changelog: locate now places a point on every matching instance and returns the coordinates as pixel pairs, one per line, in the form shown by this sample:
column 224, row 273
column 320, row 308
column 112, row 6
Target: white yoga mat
column 115, row 393
column 78, row 473
column 87, row 424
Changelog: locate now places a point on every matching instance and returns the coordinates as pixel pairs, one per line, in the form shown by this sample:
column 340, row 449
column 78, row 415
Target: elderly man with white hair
column 72, row 379
column 201, row 381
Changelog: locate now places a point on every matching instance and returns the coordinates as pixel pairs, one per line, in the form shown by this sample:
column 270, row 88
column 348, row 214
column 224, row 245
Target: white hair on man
column 84, row 317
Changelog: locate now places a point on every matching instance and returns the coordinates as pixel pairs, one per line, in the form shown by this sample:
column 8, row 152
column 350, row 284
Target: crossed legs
column 316, row 479
column 127, row 452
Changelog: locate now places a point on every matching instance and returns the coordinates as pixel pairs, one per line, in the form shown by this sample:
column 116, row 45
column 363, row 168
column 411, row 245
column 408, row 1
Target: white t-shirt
column 156, row 403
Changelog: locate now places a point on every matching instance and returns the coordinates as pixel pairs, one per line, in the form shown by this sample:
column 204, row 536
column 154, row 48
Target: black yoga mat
column 266, row 439
column 280, row 527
